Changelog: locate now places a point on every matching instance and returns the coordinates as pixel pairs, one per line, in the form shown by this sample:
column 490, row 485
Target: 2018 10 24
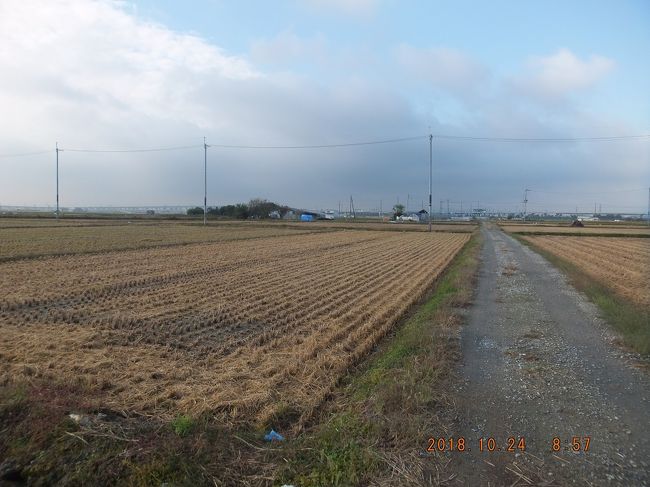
column 460, row 444
column 512, row 444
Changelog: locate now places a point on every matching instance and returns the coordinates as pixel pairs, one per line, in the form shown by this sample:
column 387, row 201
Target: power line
column 437, row 136
column 226, row 146
column 156, row 149
column 591, row 193
column 346, row 144
column 24, row 154
column 542, row 139
column 321, row 146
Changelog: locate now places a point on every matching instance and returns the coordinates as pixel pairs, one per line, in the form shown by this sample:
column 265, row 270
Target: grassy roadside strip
column 631, row 321
column 377, row 427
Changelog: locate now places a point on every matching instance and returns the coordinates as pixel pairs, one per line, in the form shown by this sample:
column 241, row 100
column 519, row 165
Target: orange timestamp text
column 512, row 444
column 578, row 443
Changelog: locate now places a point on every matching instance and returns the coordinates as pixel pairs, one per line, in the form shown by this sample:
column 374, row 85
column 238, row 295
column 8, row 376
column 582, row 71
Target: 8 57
column 578, row 443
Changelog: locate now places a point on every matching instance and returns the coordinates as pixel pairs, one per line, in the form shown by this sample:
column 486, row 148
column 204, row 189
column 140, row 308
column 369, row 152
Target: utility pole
column 205, row 182
column 408, row 200
column 526, row 202
column 57, row 180
column 339, row 208
column 381, row 213
column 430, row 177
column 649, row 207
column 448, row 208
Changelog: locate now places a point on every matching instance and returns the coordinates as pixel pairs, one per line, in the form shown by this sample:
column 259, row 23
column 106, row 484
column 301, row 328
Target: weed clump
column 183, row 425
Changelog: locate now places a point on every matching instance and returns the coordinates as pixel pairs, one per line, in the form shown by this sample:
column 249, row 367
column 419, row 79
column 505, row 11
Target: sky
column 123, row 75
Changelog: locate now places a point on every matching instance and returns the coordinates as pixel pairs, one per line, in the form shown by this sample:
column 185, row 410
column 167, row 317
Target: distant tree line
column 256, row 208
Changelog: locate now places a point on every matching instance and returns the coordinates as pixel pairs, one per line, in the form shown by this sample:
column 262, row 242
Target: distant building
column 408, row 217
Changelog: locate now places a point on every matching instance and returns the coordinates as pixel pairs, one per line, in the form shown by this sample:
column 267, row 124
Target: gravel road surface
column 538, row 363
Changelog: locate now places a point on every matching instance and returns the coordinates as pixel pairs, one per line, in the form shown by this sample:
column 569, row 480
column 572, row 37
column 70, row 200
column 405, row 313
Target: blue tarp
column 306, row 218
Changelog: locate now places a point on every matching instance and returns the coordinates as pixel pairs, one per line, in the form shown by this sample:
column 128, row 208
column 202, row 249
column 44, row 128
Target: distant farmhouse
column 413, row 216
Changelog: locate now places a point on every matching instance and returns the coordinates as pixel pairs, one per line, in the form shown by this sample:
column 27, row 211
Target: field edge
column 378, row 423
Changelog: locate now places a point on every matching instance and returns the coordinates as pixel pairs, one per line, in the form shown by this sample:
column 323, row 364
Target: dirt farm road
column 538, row 363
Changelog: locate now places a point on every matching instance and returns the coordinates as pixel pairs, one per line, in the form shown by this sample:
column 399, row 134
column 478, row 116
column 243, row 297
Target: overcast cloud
column 92, row 74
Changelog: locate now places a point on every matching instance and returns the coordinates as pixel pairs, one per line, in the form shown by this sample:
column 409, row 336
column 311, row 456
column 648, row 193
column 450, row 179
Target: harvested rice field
column 622, row 264
column 247, row 329
column 14, row 222
column 16, row 243
column 612, row 230
column 29, row 238
column 391, row 226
